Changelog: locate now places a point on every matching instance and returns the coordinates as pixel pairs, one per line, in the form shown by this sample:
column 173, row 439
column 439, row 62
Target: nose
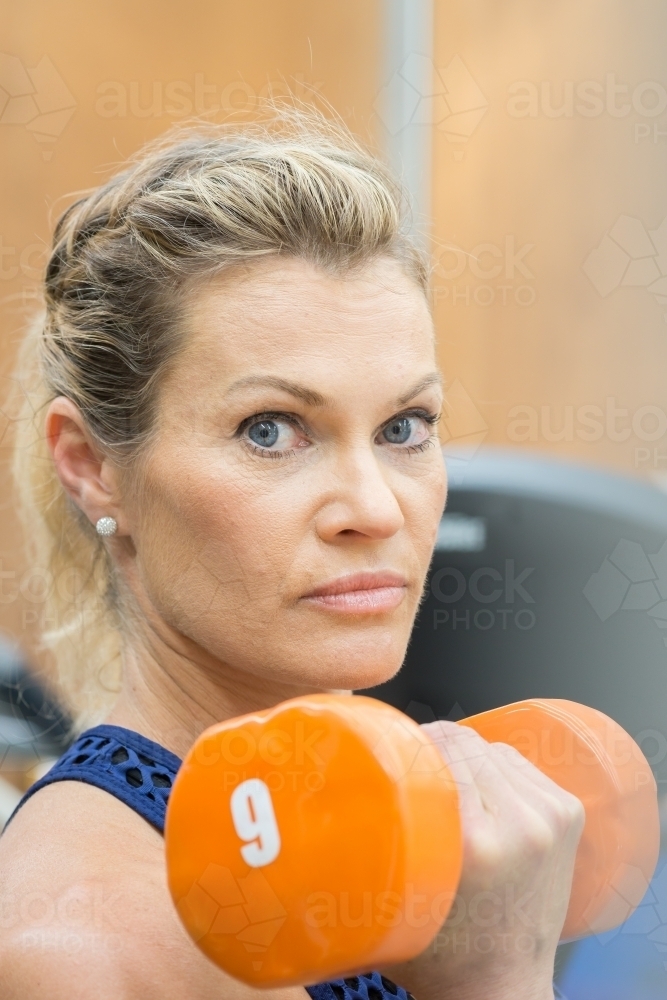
column 360, row 500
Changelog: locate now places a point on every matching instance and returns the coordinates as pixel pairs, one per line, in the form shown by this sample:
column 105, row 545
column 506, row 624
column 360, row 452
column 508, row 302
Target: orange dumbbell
column 322, row 837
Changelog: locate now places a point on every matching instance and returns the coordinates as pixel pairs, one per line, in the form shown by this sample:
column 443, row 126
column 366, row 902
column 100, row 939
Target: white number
column 255, row 820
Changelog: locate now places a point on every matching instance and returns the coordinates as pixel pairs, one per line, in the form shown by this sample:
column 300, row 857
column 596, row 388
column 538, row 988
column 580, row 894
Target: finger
column 526, row 777
column 561, row 815
column 483, row 786
column 511, row 792
column 465, row 751
column 521, row 766
column 461, row 756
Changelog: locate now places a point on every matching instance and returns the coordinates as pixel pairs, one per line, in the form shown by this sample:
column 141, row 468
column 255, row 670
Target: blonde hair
column 199, row 200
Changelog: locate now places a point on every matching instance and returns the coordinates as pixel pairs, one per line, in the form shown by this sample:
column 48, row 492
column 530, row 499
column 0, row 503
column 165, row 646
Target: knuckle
column 485, row 854
column 455, row 741
column 539, row 839
column 563, row 808
column 511, row 754
column 440, row 730
column 564, row 815
column 572, row 811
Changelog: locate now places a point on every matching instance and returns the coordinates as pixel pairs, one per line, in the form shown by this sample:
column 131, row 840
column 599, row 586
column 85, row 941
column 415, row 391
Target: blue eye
column 411, row 429
column 273, row 434
column 265, row 433
column 398, row 431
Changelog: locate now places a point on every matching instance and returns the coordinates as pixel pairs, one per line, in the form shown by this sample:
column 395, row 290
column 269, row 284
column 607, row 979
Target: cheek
column 425, row 501
column 221, row 540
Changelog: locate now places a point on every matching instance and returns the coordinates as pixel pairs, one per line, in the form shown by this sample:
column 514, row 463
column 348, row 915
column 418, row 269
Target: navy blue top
column 140, row 773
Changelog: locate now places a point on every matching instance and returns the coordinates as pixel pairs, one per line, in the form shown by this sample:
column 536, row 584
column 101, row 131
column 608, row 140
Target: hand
column 520, row 835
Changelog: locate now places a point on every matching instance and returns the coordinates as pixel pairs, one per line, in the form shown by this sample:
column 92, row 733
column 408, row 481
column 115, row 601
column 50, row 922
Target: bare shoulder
column 85, row 913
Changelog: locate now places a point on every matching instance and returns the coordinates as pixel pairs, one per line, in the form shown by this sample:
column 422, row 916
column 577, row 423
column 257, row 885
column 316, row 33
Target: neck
column 172, row 693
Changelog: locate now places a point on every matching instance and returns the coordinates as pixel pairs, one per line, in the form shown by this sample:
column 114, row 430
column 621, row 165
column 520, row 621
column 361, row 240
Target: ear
column 89, row 477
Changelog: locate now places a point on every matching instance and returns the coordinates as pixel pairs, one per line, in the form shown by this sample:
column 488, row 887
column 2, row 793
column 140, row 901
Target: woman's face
column 296, row 450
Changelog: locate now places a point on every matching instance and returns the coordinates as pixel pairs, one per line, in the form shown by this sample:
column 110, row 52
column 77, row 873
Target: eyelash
column 268, row 453
column 267, row 415
column 427, row 415
column 429, row 418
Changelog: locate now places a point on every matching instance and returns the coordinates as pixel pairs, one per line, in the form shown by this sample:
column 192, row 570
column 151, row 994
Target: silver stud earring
column 106, row 526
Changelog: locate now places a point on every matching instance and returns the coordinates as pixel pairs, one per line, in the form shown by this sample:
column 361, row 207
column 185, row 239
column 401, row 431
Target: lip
column 361, row 593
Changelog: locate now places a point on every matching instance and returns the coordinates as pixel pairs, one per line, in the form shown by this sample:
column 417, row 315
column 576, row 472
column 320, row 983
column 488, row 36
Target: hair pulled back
column 201, row 199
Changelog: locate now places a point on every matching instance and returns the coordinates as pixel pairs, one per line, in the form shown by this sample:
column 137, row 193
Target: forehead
column 294, row 318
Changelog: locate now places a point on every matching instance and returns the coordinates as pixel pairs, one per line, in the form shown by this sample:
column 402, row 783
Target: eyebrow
column 313, row 398
column 309, row 396
column 433, row 378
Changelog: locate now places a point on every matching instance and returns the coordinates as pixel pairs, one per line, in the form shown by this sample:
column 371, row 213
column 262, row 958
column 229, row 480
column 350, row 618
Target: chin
column 332, row 659
column 357, row 676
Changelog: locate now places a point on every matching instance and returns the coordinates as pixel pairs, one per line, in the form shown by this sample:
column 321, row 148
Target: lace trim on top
column 370, row 986
column 136, row 770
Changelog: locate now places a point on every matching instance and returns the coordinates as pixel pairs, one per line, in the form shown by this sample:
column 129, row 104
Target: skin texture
column 218, row 546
